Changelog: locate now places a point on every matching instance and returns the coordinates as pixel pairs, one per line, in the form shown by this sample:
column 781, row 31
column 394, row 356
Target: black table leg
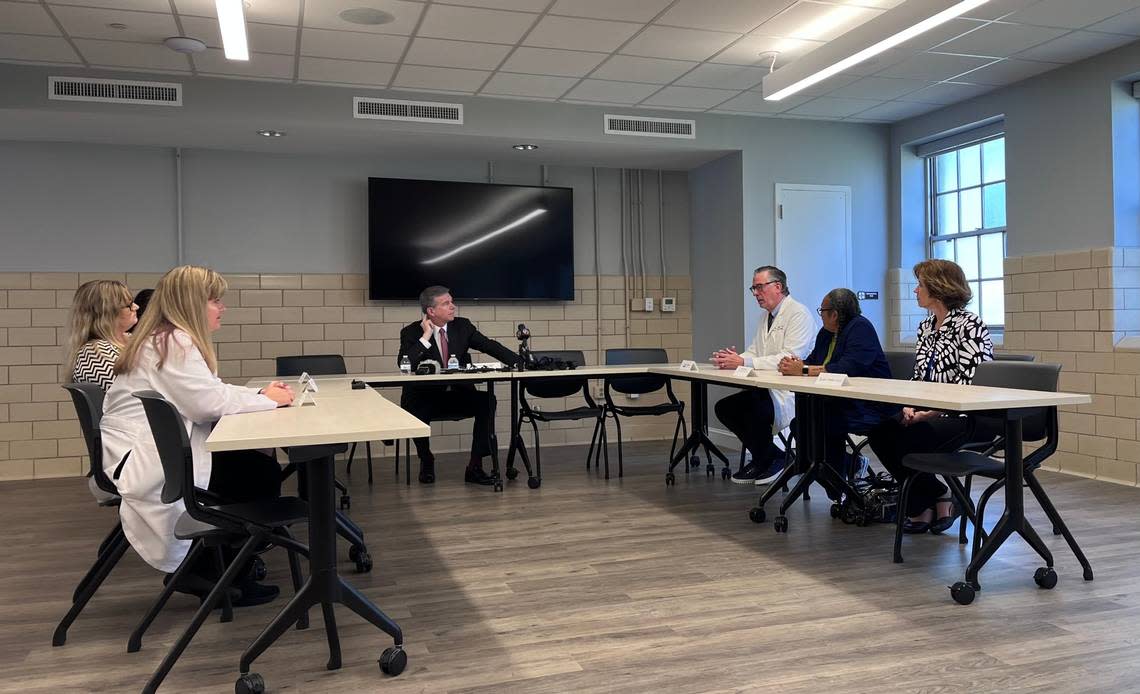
column 698, row 431
column 324, row 586
column 517, row 444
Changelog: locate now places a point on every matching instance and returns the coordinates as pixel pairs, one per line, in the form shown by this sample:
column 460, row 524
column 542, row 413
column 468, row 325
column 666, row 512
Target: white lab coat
column 792, row 334
column 201, row 398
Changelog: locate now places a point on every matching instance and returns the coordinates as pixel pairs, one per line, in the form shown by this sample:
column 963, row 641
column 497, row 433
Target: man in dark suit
column 437, row 337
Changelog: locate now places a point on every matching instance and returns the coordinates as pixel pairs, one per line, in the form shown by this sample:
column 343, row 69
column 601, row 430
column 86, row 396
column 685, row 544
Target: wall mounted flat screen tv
column 483, row 241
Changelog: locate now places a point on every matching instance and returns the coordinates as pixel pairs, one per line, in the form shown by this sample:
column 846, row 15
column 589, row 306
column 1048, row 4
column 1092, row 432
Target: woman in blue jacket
column 847, row 344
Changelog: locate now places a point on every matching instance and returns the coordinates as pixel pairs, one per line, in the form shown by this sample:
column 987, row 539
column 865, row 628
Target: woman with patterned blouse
column 951, row 343
column 101, row 314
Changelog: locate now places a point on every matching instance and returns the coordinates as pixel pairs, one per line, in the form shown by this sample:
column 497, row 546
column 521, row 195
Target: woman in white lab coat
column 171, row 353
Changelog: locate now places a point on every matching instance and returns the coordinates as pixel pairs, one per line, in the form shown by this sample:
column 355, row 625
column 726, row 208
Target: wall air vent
column 114, row 91
column 395, row 109
column 642, row 126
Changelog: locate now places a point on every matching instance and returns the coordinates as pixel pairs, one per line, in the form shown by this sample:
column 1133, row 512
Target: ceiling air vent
column 420, row 111
column 114, row 91
column 651, row 127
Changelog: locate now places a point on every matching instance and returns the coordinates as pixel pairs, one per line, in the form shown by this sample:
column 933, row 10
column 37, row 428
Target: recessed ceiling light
column 525, row 147
column 117, row 26
column 184, row 44
column 271, row 133
column 367, row 16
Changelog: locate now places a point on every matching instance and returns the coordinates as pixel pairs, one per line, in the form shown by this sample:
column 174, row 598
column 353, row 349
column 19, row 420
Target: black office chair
column 1006, row 356
column 208, row 524
column 557, row 388
column 1041, row 424
column 901, row 365
column 641, row 385
column 88, row 400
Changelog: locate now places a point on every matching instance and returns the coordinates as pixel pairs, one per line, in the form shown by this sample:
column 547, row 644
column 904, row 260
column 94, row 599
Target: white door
column 813, row 239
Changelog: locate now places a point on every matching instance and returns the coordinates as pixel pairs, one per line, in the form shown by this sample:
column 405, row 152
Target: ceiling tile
column 749, row 50
column 877, row 4
column 737, row 16
column 621, row 10
column 933, row 67
column 443, row 53
column 91, row 23
column 263, row 38
column 449, row 79
column 580, row 34
column 833, row 108
column 680, row 44
column 892, row 111
column 268, row 65
column 881, row 88
column 690, row 97
column 1000, row 39
column 24, row 18
column 528, row 85
column 816, row 21
column 325, row 15
column 517, row 5
column 1006, row 72
column 753, row 102
column 941, row 34
column 45, row 49
column 630, row 68
column 551, row 61
column 724, row 77
column 1071, row 14
column 611, row 92
column 946, row 93
column 349, row 45
column 345, row 71
column 286, row 12
column 1075, row 46
column 997, row 9
column 143, row 56
column 1125, row 23
column 162, row 6
column 475, row 24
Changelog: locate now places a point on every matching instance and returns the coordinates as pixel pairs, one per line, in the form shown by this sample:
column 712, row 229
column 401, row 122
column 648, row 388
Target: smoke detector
column 184, row 45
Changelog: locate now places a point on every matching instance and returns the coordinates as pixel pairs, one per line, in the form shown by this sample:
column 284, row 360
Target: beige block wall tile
column 227, row 333
column 229, row 371
column 323, row 347
column 19, row 337
column 1116, row 427
column 554, row 342
column 46, row 448
column 50, row 317
column 56, row 430
column 402, row 314
column 1026, row 283
column 1077, row 382
column 57, row 467
column 239, row 282
column 608, row 282
column 1103, row 257
column 1086, row 279
column 143, row 280
column 259, row 297
column 1128, row 450
column 252, row 368
column 1127, row 363
column 565, row 327
column 33, row 412
column 1076, row 423
column 1097, row 446
column 1056, row 281
column 242, row 316
column 344, row 297
column 547, row 312
column 261, row 333
column 272, row 350
column 1059, row 320
column 55, row 280
column 380, row 331
column 15, row 318
column 3, row 375
column 1075, row 300
column 5, row 450
column 73, row 448
column 49, row 392
column 289, row 314
column 321, row 281
column 512, row 313
column 1101, row 404
column 15, row 393
column 1045, row 340
column 363, row 314
column 15, row 280
column 363, row 348
column 1108, row 298
column 1116, row 384
column 303, row 297
column 474, row 313
column 1104, row 342
column 239, row 350
column 1119, row 471
column 33, row 374
column 323, row 314
column 381, row 365
column 1075, row 341
column 344, row 331
column 47, row 355
column 34, row 298
column 354, row 281
column 1039, row 301
column 16, row 470
column 1038, row 263
column 355, row 365
column 280, row 282
column 1094, row 362
column 1086, row 320
column 1024, row 321
column 1074, row 260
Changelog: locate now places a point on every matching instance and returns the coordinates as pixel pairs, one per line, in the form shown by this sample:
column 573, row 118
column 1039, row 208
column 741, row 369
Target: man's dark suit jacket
column 462, row 335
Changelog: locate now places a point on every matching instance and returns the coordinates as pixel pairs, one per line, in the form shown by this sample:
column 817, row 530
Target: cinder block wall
column 272, row 315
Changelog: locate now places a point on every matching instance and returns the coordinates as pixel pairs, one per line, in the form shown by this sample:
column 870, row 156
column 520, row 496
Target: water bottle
column 452, row 363
column 405, row 365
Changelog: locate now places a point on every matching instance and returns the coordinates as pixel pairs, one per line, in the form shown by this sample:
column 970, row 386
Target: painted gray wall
column 717, row 221
column 1071, row 150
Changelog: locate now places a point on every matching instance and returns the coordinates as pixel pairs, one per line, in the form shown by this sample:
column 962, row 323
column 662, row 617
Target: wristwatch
column 805, row 369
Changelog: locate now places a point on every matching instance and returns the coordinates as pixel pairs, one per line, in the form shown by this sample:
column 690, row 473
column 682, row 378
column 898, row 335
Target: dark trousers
column 450, row 404
column 749, row 414
column 891, row 441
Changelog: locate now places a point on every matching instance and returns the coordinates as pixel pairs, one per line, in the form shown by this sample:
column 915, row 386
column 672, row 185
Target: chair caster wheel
column 393, row 661
column 725, row 473
column 257, row 568
column 695, row 461
column 533, row 482
column 250, row 683
column 1045, row 577
column 756, row 514
column 363, row 561
column 962, row 592
column 670, row 479
column 836, row 510
column 710, row 470
column 780, row 524
column 345, row 502
column 498, row 485
column 512, row 473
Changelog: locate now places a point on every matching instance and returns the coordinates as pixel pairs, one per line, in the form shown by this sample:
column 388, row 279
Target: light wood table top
column 338, row 417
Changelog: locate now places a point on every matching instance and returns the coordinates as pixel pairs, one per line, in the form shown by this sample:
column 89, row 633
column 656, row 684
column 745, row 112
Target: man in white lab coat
column 786, row 329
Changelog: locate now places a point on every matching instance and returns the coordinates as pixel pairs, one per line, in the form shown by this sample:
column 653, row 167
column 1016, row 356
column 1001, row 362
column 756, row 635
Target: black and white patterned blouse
column 952, row 353
column 95, row 363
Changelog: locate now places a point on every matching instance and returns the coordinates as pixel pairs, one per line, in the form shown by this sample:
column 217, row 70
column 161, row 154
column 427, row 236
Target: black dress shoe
column 941, row 525
column 915, row 527
column 427, row 472
column 253, row 593
column 199, row 587
column 477, row 476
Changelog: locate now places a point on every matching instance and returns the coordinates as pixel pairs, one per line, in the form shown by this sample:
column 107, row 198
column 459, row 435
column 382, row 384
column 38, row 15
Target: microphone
column 523, row 335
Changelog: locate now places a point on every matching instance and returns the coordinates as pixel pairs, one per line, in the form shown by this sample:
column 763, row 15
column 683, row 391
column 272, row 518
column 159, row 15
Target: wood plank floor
column 592, row 586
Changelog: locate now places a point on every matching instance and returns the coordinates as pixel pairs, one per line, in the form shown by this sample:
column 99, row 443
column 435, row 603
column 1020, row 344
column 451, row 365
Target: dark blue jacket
column 857, row 354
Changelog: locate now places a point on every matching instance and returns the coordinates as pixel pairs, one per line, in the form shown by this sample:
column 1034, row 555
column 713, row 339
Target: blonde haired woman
column 102, row 313
column 171, row 353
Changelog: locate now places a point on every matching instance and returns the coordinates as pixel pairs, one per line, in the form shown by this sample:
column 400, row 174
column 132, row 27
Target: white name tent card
column 689, row 365
column 831, row 380
column 743, row 372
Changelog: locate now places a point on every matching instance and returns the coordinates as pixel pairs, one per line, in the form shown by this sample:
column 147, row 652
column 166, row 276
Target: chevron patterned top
column 95, row 363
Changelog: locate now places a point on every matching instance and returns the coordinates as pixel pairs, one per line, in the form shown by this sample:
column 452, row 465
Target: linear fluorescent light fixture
column 864, row 42
column 231, row 18
column 487, row 237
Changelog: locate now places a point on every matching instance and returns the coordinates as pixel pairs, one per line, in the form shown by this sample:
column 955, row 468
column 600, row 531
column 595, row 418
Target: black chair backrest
column 1026, row 376
column 636, row 355
column 173, row 446
column 1006, row 356
column 901, row 364
column 555, row 387
column 88, row 401
column 314, row 364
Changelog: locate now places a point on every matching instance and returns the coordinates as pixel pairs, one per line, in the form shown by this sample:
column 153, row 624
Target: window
column 966, row 196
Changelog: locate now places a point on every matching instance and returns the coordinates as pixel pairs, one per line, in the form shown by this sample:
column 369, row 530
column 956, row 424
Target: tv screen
column 483, row 241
